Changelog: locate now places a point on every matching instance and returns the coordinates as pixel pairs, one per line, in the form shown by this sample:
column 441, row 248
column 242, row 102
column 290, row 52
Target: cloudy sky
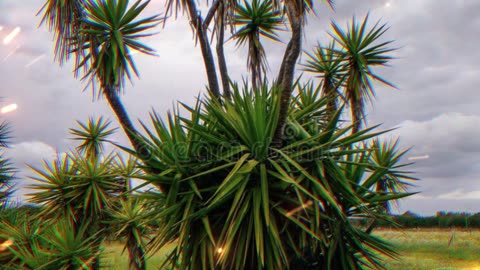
column 436, row 109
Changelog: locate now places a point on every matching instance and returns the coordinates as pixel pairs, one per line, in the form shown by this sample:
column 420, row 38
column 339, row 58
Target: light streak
column 300, row 208
column 6, row 244
column 34, row 61
column 9, row 108
column 11, row 53
column 12, row 35
column 419, row 157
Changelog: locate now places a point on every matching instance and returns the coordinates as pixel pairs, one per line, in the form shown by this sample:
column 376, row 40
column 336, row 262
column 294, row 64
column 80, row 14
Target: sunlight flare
column 9, row 108
column 12, row 35
column 300, row 208
column 6, row 244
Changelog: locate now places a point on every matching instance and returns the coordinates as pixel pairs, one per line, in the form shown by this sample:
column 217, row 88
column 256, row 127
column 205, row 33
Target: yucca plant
column 257, row 19
column 393, row 179
column 92, row 191
column 49, row 247
column 232, row 201
column 101, row 36
column 128, row 215
column 7, row 172
column 329, row 66
column 21, row 232
column 129, row 219
column 363, row 49
column 78, row 189
column 92, row 136
column 81, row 186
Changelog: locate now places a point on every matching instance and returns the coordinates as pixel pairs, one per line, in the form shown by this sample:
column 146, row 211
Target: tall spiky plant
column 228, row 203
column 43, row 246
column 92, row 136
column 257, row 19
column 102, row 35
column 81, row 186
column 127, row 215
column 362, row 48
column 328, row 65
column 7, row 172
column 386, row 157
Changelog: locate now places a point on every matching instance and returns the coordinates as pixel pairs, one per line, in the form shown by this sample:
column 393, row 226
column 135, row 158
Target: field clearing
column 426, row 249
column 423, row 249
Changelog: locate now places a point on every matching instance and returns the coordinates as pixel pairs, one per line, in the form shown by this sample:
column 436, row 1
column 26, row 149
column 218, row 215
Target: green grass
column 430, row 249
column 420, row 250
column 116, row 260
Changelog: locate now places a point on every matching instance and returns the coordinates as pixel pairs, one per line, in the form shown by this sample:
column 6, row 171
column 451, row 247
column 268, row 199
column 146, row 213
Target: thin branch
column 211, row 13
column 285, row 80
column 208, row 60
column 222, row 62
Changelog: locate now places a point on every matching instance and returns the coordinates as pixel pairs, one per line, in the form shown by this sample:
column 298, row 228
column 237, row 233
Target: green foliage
column 348, row 63
column 92, row 136
column 87, row 193
column 109, row 36
column 37, row 245
column 129, row 218
column 75, row 187
column 101, row 35
column 230, row 201
column 7, row 172
column 256, row 19
column 261, row 180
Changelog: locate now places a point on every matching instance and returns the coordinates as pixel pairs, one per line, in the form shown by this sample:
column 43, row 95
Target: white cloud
column 32, row 151
column 461, row 195
column 420, row 196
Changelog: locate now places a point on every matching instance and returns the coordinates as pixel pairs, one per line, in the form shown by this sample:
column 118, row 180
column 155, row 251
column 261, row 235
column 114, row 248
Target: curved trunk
column 136, row 255
column 287, row 70
column 122, row 115
column 208, row 60
column 222, row 62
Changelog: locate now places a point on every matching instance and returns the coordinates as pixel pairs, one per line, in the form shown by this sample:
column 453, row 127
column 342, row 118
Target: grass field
column 420, row 250
column 430, row 249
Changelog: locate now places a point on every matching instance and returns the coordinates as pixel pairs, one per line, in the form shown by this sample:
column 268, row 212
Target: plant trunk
column 330, row 93
column 222, row 62
column 206, row 50
column 136, row 255
column 285, row 79
column 132, row 134
column 357, row 111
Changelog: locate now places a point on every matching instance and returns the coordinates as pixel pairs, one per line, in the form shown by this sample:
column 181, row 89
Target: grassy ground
column 116, row 260
column 419, row 249
column 430, row 249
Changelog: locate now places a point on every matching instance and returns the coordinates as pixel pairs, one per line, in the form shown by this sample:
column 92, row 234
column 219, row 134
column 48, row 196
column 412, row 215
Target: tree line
column 441, row 219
